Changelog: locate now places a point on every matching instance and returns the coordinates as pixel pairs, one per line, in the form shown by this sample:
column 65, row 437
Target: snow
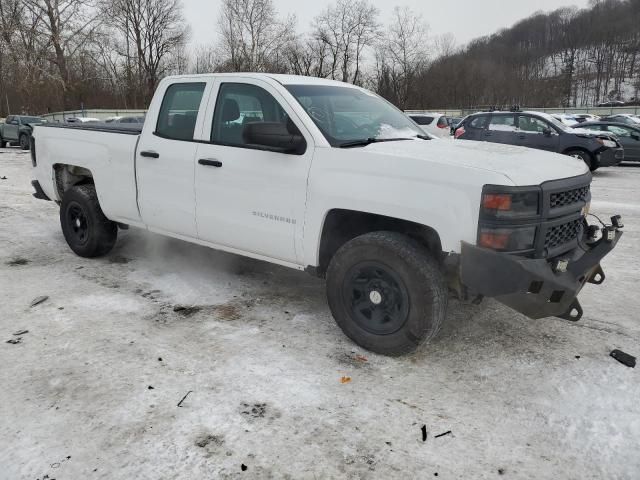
column 263, row 359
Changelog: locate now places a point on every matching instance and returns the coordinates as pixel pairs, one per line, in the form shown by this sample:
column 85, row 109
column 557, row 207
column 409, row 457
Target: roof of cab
column 280, row 78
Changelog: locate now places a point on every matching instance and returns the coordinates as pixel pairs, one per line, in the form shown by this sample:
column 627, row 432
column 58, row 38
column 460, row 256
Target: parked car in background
column 585, row 117
column 17, row 129
column 130, row 119
column 453, row 123
column 622, row 118
column 82, row 120
column 544, row 132
column 567, row 119
column 628, row 136
column 612, row 103
column 434, row 123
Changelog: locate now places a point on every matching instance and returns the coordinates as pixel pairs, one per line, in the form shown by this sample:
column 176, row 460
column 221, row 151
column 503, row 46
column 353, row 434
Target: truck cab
column 330, row 178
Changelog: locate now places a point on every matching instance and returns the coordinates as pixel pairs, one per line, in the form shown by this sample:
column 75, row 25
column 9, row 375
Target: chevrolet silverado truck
column 17, row 130
column 330, row 178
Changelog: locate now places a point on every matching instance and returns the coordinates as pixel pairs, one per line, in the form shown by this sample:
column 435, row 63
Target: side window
column 532, row 124
column 422, row 120
column 179, row 111
column 592, row 127
column 619, row 131
column 503, row 123
column 239, row 104
column 8, row 120
column 479, row 122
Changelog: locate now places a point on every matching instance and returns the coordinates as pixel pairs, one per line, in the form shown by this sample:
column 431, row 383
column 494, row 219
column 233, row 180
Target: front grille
column 561, row 234
column 569, row 197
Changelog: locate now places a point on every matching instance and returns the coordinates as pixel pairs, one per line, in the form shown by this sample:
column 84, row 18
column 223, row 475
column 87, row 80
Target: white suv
column 433, row 123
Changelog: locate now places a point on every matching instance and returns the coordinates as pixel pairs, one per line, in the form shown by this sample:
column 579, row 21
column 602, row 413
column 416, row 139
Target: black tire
column 407, row 298
column 87, row 231
column 23, row 141
column 3, row 143
column 585, row 156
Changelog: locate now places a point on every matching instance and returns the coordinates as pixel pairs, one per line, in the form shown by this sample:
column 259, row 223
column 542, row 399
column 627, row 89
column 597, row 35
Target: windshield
column 33, row 120
column 346, row 114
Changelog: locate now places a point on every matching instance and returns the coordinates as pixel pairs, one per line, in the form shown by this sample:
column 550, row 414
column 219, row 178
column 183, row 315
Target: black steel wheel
column 86, row 229
column 24, row 141
column 386, row 292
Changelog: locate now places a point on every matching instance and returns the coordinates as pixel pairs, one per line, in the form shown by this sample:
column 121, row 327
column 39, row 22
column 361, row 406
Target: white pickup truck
column 327, row 177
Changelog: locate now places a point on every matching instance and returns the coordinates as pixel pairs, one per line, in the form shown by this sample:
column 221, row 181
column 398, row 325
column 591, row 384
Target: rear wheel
column 386, row 292
column 24, row 141
column 3, row 143
column 87, row 231
column 585, row 157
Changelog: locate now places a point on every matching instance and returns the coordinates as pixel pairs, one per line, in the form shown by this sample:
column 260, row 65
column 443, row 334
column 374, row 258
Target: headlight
column 509, row 202
column 606, row 143
column 507, row 239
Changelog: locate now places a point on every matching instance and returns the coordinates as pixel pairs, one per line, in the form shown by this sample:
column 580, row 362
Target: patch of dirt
column 119, row 259
column 205, row 440
column 256, row 410
column 186, row 311
column 18, row 261
column 351, row 359
column 228, row 311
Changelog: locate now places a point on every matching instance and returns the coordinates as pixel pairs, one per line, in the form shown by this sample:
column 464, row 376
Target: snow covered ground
column 92, row 390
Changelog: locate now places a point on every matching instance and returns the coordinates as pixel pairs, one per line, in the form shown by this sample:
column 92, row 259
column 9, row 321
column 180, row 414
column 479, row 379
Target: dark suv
column 542, row 131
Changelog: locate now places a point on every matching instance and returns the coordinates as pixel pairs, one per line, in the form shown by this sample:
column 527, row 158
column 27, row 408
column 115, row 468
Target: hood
column 522, row 166
column 585, row 132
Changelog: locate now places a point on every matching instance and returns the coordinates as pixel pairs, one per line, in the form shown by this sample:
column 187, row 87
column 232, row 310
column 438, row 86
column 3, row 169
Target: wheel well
column 582, row 149
column 68, row 176
column 340, row 226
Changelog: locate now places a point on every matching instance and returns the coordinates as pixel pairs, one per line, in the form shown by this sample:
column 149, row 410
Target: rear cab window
column 422, row 119
column 179, row 111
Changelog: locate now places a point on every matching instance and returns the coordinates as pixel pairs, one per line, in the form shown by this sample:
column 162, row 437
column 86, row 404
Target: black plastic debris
column 184, row 398
column 150, row 387
column 243, row 467
column 21, row 332
column 624, row 358
column 448, row 432
column 39, row 300
column 3, row 178
column 424, row 433
column 501, row 471
column 15, row 341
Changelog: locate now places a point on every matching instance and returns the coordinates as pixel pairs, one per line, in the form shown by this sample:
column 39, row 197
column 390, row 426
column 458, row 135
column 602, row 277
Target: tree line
column 62, row 54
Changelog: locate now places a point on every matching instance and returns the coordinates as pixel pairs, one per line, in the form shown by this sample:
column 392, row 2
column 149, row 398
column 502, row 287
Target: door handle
column 149, row 154
column 522, row 136
column 210, row 162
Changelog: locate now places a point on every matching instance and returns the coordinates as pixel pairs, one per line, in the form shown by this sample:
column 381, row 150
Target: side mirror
column 547, row 132
column 275, row 137
column 636, row 136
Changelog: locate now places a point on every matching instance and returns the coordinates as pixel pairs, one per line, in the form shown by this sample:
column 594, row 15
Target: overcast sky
column 466, row 19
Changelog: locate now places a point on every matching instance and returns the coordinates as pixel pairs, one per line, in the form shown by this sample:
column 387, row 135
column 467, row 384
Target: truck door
column 533, row 132
column 165, row 159
column 11, row 127
column 247, row 197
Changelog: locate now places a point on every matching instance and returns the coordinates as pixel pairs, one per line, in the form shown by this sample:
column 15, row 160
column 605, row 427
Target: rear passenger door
column 629, row 139
column 534, row 132
column 502, row 129
column 10, row 130
column 165, row 160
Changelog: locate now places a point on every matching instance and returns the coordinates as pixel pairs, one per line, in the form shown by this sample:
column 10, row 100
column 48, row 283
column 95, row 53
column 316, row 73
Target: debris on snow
column 448, row 432
column 3, row 178
column 184, row 398
column 424, row 433
column 15, row 341
column 17, row 262
column 345, row 379
column 21, row 332
column 624, row 358
column 39, row 300
column 243, row 467
column 150, row 387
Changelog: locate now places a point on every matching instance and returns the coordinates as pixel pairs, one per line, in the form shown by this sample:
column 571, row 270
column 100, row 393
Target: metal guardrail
column 600, row 111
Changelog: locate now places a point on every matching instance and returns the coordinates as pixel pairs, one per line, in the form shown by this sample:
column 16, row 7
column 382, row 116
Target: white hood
column 523, row 166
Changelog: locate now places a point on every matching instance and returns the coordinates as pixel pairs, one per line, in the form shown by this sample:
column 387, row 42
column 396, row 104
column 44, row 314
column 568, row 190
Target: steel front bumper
column 531, row 286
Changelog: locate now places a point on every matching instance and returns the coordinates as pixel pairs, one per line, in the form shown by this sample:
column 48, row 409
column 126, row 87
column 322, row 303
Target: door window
column 239, row 104
column 478, row 122
column 422, row 119
column 619, row 131
column 503, row 123
column 532, row 124
column 179, row 111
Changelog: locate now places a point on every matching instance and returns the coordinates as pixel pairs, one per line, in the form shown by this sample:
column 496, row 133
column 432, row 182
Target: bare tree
column 252, row 38
column 401, row 54
column 153, row 30
column 347, row 28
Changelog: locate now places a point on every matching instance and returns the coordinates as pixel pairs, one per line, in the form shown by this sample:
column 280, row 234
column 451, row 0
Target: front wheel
column 585, row 157
column 24, row 141
column 87, row 231
column 386, row 292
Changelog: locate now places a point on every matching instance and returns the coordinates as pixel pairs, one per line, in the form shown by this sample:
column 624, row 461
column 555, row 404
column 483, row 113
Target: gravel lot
column 92, row 390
